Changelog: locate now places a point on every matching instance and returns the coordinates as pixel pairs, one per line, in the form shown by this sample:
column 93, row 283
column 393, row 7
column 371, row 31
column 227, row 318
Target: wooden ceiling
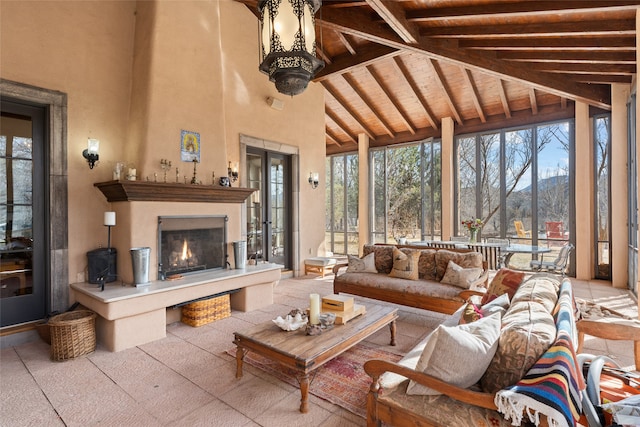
column 395, row 69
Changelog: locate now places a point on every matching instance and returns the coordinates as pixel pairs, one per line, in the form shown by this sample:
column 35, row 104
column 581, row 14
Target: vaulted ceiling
column 395, row 69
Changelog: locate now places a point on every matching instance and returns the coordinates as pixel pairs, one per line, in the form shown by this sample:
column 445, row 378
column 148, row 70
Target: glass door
column 268, row 210
column 22, row 211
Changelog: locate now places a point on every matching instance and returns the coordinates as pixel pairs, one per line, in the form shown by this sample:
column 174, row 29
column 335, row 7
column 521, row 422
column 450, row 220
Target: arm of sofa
column 375, row 368
column 338, row 266
column 465, row 295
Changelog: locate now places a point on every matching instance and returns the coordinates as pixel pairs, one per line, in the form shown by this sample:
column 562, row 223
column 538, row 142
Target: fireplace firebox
column 191, row 244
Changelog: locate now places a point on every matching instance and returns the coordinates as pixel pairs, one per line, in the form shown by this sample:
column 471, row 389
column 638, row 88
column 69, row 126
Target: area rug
column 341, row 381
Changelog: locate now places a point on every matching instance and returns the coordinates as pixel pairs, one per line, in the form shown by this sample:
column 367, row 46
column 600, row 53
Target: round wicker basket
column 73, row 334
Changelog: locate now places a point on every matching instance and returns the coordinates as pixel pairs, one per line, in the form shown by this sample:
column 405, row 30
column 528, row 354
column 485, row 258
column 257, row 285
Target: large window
column 602, row 148
column 406, row 201
column 517, row 182
column 342, row 204
column 406, row 192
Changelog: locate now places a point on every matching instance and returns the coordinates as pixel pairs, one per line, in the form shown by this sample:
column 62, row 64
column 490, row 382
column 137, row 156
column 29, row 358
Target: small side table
column 320, row 265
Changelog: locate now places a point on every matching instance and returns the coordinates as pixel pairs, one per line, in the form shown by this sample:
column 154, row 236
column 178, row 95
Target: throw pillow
column 405, row 264
column 460, row 277
column 366, row 264
column 383, row 255
column 427, row 264
column 527, row 332
column 471, row 313
column 459, row 354
column 506, row 281
column 500, row 304
column 463, row 259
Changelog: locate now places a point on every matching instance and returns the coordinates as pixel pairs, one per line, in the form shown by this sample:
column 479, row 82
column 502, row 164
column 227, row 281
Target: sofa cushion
column 527, row 332
column 366, row 264
column 427, row 264
column 383, row 256
column 459, row 354
column 506, row 281
column 542, row 288
column 380, row 282
column 461, row 277
column 463, row 259
column 405, row 264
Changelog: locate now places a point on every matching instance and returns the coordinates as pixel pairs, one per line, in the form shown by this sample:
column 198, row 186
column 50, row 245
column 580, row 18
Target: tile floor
column 188, row 379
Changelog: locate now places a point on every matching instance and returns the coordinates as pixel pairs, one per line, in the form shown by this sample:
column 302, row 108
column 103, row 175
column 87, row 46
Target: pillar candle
column 314, row 309
column 110, row 218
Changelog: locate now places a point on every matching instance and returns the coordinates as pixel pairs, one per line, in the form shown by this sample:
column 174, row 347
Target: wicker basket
column 73, row 334
column 206, row 311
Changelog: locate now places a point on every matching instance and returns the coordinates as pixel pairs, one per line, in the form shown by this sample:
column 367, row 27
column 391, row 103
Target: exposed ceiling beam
column 394, row 15
column 323, row 55
column 445, row 89
column 504, row 99
column 333, row 138
column 398, row 106
column 587, row 57
column 344, row 104
column 519, row 9
column 554, row 43
column 341, row 124
column 583, row 68
column 599, row 78
column 404, row 73
column 561, row 29
column 364, row 56
column 368, row 102
column 346, row 43
column 534, row 102
column 359, row 24
column 466, row 74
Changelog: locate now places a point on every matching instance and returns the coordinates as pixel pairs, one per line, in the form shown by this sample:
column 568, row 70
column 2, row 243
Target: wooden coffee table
column 305, row 353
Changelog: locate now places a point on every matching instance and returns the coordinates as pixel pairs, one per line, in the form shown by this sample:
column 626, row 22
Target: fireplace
column 191, row 244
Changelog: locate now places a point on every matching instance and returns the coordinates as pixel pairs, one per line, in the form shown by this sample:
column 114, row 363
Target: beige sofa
column 524, row 345
column 427, row 292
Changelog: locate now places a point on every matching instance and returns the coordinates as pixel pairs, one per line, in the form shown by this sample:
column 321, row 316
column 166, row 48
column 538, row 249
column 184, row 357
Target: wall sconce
column 91, row 152
column 288, row 43
column 232, row 172
column 313, row 180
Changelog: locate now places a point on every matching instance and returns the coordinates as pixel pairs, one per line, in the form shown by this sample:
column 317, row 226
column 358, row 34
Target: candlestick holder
column 165, row 165
column 194, row 180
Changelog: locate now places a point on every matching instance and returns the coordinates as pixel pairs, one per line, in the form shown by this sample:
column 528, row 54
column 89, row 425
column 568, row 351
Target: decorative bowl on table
column 327, row 319
column 292, row 321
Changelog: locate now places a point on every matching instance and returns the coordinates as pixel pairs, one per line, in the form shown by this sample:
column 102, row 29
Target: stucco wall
column 135, row 75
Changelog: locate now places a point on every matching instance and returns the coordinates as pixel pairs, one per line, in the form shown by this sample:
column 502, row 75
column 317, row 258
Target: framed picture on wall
column 189, row 146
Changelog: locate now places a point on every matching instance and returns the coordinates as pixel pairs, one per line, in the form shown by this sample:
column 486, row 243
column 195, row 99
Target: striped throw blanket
column 553, row 386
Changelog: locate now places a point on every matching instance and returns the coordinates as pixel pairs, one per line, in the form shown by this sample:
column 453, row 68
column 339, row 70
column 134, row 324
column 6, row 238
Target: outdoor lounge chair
column 520, row 231
column 558, row 265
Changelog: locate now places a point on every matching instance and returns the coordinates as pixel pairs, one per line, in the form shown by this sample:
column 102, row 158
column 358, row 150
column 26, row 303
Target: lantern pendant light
column 288, row 43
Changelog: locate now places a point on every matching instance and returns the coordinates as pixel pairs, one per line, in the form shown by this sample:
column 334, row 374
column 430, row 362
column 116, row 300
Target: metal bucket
column 240, row 253
column 140, row 263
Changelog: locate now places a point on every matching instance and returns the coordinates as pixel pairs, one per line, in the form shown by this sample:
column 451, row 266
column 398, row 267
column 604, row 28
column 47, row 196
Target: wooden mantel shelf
column 144, row 191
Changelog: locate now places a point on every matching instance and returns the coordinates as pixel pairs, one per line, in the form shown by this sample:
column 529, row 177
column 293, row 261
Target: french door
column 268, row 210
column 22, row 214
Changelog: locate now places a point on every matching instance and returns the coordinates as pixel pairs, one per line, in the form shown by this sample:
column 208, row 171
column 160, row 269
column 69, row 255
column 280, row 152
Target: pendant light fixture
column 288, row 43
